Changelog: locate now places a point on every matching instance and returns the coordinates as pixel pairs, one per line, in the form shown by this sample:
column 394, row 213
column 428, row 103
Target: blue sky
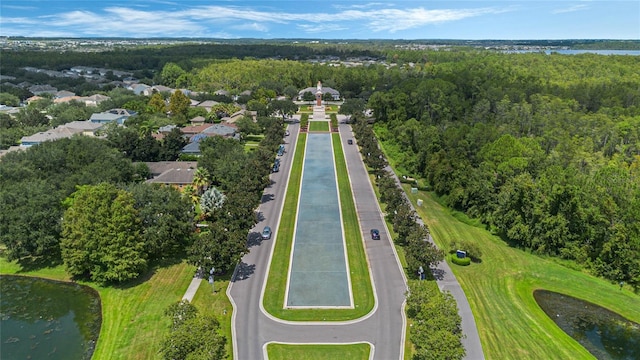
column 324, row 19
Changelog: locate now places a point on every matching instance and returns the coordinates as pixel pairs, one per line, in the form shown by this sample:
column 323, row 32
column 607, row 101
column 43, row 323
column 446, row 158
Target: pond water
column 45, row 319
column 603, row 333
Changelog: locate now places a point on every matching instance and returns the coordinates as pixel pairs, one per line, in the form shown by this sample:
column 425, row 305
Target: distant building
column 65, row 131
column 117, row 115
column 335, row 94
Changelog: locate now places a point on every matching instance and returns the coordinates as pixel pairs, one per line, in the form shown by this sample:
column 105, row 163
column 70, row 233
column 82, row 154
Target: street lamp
column 211, row 279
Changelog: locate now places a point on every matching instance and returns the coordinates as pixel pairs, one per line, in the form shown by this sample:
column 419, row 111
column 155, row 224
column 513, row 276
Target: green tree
column 197, row 337
column 166, row 218
column 170, row 74
column 352, row 107
column 101, row 235
column 9, row 99
column 156, row 104
column 436, row 330
column 179, row 104
column 218, row 248
column 172, row 144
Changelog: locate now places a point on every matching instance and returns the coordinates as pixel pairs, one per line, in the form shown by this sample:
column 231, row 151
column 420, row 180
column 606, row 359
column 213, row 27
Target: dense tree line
column 241, row 177
column 545, row 149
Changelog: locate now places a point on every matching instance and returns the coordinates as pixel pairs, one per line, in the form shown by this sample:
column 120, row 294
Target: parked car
column 281, row 150
column 350, row 141
column 276, row 167
column 286, row 133
column 266, row 233
column 375, row 234
column 277, row 162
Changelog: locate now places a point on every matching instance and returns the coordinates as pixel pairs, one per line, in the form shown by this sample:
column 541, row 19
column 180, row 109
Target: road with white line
column 252, row 327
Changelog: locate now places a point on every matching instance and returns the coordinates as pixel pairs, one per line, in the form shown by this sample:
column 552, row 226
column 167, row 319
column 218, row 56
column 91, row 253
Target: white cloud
column 571, row 9
column 140, row 22
column 251, row 26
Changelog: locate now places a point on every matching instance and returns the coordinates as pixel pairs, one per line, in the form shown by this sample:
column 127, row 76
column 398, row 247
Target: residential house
column 172, row 173
column 63, row 94
column 61, row 132
column 94, row 100
column 43, row 89
column 198, row 120
column 139, row 89
column 117, row 115
column 224, row 130
column 190, row 131
column 208, row 104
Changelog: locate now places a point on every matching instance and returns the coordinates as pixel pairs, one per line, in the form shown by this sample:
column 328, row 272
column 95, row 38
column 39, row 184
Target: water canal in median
column 46, row 319
column 602, row 332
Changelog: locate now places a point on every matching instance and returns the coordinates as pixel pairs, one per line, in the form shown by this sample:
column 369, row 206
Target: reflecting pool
column 45, row 319
column 602, row 332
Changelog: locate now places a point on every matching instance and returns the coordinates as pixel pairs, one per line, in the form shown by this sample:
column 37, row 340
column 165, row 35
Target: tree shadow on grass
column 243, row 271
column 35, row 263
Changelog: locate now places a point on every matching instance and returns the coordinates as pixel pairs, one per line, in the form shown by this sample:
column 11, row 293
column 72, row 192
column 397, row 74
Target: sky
column 324, row 19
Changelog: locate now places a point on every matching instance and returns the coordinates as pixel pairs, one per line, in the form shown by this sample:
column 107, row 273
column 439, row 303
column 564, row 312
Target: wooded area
column 544, row 149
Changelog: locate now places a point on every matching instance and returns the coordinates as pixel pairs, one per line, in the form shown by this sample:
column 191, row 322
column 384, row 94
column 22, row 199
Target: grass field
column 319, row 126
column 358, row 351
column 133, row 321
column 360, row 279
column 217, row 304
column 500, row 290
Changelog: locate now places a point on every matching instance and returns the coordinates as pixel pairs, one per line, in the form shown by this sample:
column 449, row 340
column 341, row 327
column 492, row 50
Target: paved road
column 383, row 327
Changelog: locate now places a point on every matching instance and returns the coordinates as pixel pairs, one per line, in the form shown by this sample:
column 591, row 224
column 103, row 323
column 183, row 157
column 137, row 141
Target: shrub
column 472, row 249
column 462, row 262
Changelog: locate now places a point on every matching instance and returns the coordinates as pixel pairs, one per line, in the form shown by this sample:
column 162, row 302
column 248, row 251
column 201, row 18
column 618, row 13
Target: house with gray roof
column 172, row 173
column 117, row 115
column 61, row 132
column 220, row 130
column 43, row 89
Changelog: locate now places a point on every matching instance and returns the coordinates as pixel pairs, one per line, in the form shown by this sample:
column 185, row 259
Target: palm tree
column 201, row 179
column 190, row 192
column 211, row 200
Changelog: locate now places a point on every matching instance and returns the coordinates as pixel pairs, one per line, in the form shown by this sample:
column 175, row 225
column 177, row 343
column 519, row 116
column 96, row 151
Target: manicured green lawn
column 358, row 266
column 500, row 290
column 319, row 126
column 358, row 351
column 133, row 321
column 217, row 304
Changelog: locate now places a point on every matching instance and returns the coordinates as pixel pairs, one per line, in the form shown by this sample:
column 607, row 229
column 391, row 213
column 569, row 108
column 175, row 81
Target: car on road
column 266, row 233
column 375, row 234
column 350, row 141
column 276, row 167
column 286, row 133
column 281, row 150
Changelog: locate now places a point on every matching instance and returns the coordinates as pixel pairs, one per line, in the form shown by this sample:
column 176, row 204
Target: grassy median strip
column 358, row 351
column 319, row 126
column 133, row 320
column 360, row 279
column 500, row 290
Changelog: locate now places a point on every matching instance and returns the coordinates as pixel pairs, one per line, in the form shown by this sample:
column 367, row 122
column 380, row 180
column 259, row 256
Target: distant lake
column 45, row 319
column 577, row 52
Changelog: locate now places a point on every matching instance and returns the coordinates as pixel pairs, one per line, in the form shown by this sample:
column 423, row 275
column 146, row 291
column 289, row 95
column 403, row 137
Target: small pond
column 602, row 332
column 45, row 319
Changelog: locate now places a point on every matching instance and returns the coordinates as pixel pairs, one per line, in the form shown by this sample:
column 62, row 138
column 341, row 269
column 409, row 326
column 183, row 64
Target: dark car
column 350, row 141
column 375, row 234
column 276, row 167
column 266, row 233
